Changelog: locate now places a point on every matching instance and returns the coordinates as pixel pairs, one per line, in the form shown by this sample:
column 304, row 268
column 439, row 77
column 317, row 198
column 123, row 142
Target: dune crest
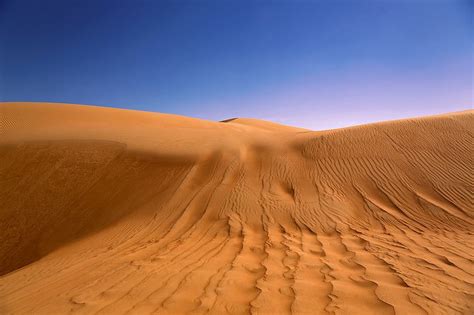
column 108, row 211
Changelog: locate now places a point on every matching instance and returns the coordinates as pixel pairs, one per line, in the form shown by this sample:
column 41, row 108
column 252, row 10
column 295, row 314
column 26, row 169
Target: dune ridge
column 109, row 211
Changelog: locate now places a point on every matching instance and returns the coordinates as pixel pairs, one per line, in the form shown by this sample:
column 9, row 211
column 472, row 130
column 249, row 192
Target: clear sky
column 314, row 64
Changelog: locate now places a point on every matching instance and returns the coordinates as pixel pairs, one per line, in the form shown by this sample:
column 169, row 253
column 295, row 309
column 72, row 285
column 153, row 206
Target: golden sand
column 108, row 211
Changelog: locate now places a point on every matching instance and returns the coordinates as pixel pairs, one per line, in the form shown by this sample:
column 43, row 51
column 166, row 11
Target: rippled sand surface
column 108, row 211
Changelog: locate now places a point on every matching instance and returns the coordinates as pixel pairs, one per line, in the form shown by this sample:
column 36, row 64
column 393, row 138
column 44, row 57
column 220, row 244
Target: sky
column 314, row 64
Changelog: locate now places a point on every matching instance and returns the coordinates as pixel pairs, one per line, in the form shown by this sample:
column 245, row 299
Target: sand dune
column 108, row 211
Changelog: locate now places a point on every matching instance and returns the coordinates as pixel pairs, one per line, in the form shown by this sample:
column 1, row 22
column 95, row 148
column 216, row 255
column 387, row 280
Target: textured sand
column 107, row 211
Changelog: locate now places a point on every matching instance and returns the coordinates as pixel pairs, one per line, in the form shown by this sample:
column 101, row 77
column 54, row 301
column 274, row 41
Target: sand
column 108, row 211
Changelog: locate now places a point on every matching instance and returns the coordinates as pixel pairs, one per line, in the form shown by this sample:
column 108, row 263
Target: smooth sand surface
column 108, row 211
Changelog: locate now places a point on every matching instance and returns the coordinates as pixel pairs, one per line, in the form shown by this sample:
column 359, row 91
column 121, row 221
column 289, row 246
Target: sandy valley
column 110, row 211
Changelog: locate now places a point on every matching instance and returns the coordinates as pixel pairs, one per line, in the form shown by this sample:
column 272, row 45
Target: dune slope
column 108, row 211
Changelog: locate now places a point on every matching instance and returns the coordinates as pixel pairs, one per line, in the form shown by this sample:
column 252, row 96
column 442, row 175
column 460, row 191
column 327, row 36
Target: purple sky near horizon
column 358, row 97
column 314, row 64
column 363, row 97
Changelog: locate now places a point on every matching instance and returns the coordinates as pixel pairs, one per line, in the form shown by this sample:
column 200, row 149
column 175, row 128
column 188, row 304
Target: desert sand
column 110, row 211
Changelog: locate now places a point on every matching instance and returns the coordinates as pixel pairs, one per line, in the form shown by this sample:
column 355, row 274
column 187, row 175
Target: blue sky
column 314, row 64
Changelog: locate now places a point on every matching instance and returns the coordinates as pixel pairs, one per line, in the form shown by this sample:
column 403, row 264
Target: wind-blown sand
column 108, row 211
